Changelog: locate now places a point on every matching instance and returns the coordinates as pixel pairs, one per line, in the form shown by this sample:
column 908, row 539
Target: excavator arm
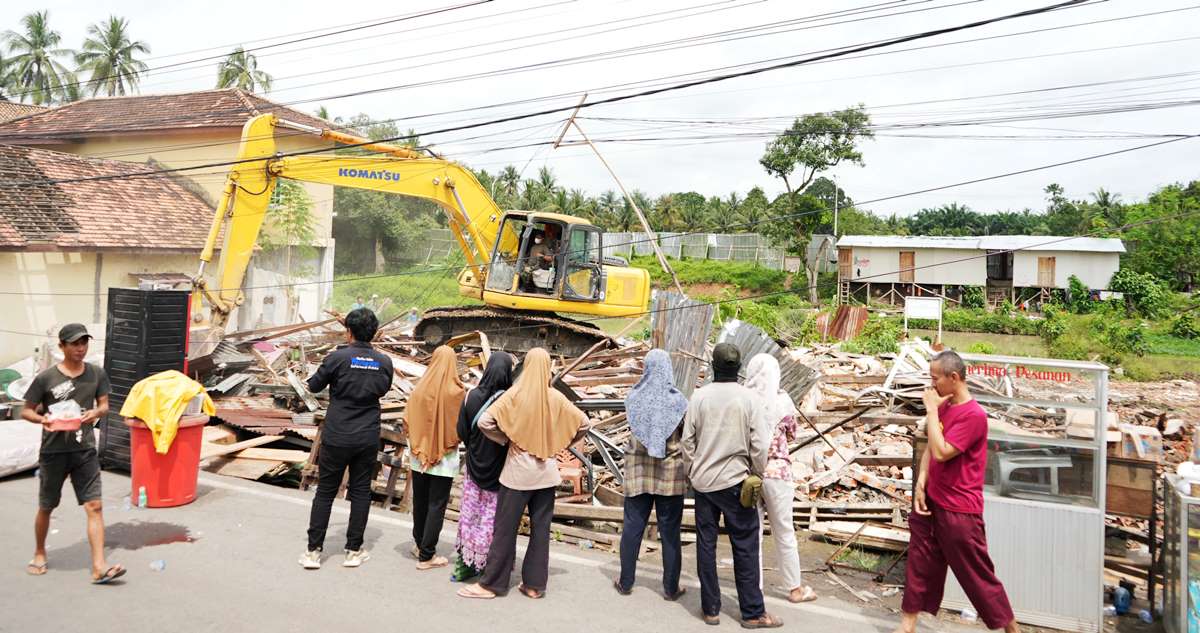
column 473, row 216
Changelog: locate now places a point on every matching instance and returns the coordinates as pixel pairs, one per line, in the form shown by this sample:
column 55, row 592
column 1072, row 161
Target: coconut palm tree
column 108, row 53
column 34, row 70
column 240, row 70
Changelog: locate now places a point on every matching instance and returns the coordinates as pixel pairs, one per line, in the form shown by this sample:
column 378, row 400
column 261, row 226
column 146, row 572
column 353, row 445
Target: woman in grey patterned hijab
column 654, row 406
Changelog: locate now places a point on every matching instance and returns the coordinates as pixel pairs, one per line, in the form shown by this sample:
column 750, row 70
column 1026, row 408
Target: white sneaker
column 356, row 558
column 311, row 559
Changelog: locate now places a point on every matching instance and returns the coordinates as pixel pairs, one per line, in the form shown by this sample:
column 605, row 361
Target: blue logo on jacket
column 364, row 362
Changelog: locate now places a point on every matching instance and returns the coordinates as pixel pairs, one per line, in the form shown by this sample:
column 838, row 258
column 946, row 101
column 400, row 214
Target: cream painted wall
column 189, row 148
column 885, row 262
column 1094, row 269
column 72, row 279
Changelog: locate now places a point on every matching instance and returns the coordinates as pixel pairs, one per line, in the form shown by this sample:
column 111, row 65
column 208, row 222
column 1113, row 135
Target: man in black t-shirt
column 357, row 376
column 70, row 453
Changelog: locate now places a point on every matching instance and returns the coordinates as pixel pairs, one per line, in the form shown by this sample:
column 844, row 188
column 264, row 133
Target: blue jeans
column 669, row 511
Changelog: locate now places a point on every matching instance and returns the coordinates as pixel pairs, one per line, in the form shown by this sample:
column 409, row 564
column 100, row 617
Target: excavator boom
column 495, row 243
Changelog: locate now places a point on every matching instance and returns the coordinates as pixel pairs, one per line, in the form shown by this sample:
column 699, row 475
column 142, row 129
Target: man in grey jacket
column 724, row 442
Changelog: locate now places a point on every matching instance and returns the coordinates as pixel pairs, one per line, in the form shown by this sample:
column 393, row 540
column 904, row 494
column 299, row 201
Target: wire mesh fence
column 739, row 247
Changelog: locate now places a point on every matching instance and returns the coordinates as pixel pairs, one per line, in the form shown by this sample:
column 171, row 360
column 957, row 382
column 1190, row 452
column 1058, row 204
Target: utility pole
column 835, row 207
column 650, row 234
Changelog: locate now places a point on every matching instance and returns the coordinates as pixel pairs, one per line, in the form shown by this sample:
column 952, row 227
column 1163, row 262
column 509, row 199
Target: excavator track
column 514, row 331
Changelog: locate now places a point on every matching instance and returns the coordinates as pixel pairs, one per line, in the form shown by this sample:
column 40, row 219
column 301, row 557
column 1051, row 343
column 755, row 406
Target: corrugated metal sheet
column 680, row 324
column 843, row 325
column 796, row 378
column 988, row 242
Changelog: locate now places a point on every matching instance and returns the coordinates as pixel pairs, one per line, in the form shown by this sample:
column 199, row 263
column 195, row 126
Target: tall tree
column 753, row 210
column 816, row 143
column 35, row 72
column 240, row 70
column 110, row 56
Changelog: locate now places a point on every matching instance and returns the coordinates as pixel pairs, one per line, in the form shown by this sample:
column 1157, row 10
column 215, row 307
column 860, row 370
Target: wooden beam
column 272, row 454
column 216, row 450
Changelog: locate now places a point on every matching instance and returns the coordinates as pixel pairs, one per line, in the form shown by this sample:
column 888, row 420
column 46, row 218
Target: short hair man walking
column 947, row 520
column 70, row 453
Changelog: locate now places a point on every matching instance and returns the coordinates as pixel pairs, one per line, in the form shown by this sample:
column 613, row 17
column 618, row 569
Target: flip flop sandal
column 532, row 594
column 672, row 597
column 806, row 595
column 35, row 569
column 433, row 563
column 621, row 590
column 712, row 620
column 111, row 574
column 768, row 621
column 472, row 591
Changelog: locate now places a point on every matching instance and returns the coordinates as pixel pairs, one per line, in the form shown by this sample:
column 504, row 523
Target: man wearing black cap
column 725, row 441
column 70, row 453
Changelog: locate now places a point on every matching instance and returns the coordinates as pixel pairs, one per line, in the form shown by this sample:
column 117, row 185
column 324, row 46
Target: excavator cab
column 547, row 256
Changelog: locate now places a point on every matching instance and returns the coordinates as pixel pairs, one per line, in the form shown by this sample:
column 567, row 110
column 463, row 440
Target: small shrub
column 981, row 347
column 1186, row 326
column 1006, row 308
column 1144, row 294
column 973, row 298
column 1079, row 298
column 879, row 336
column 797, row 327
column 1053, row 326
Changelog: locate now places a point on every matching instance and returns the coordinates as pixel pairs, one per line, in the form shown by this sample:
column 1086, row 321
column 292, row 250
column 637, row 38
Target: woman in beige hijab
column 536, row 422
column 431, row 420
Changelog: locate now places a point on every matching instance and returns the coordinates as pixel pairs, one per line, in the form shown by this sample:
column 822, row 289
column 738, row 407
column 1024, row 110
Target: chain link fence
column 738, row 247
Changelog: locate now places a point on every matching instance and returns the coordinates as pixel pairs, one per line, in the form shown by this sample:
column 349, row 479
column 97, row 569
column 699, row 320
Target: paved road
column 230, row 566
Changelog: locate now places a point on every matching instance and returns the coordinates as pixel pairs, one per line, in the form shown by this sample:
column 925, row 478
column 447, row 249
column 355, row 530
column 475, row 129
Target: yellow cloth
column 159, row 401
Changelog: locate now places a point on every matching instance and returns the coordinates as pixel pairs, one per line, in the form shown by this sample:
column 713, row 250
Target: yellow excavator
column 525, row 266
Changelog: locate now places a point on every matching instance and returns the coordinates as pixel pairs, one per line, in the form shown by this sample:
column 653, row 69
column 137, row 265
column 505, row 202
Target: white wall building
column 1009, row 266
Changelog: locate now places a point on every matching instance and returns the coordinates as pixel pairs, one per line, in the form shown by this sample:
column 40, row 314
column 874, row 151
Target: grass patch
column 406, row 288
column 863, row 559
column 1165, row 344
column 745, row 277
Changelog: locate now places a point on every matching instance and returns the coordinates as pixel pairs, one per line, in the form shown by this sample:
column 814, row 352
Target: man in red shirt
column 947, row 521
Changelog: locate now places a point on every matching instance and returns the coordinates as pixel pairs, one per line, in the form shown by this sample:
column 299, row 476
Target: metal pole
column 650, row 234
column 835, row 207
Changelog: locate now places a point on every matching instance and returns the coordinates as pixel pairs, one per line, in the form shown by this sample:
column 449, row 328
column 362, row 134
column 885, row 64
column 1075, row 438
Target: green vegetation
column 879, row 336
column 745, row 277
column 420, row 287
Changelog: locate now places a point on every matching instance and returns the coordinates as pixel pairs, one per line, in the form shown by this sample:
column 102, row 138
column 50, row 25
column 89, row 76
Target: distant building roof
column 10, row 110
column 988, row 242
column 146, row 212
column 224, row 108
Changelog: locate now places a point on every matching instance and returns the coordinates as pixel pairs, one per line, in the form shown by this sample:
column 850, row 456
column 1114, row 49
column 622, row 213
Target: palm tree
column 108, row 53
column 34, row 70
column 240, row 70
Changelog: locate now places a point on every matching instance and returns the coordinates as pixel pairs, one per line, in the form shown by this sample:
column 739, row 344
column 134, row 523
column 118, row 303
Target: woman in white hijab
column 762, row 377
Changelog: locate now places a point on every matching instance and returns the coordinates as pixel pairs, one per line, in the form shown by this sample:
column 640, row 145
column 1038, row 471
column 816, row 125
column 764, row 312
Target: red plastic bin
column 170, row 480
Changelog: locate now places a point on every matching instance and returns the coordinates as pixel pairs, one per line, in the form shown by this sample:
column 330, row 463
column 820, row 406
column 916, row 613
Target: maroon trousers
column 955, row 540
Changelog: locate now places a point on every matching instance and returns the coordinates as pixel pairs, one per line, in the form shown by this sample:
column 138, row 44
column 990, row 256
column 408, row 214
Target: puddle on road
column 138, row 534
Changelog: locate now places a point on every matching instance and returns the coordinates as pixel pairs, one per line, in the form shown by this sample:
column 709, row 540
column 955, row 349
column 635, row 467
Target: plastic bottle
column 142, row 497
column 126, row 503
column 1122, row 600
column 969, row 614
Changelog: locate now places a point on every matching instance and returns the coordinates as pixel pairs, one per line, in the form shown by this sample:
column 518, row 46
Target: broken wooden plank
column 310, row 400
column 272, row 454
column 217, row 450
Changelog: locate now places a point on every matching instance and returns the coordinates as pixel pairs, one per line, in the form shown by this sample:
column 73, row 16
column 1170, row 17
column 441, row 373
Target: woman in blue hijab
column 655, row 476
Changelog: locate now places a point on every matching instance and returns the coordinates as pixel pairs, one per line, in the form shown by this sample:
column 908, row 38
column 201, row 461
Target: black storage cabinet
column 146, row 333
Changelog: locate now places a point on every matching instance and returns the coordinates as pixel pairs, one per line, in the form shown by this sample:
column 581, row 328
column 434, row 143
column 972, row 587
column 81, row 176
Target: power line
column 740, row 225
column 654, row 91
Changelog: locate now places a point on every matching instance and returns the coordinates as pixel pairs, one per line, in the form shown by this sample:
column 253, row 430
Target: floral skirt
column 476, row 520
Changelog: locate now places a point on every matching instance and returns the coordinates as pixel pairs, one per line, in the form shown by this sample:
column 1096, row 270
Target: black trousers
column 669, row 511
column 431, row 493
column 332, row 463
column 535, row 570
column 742, row 525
